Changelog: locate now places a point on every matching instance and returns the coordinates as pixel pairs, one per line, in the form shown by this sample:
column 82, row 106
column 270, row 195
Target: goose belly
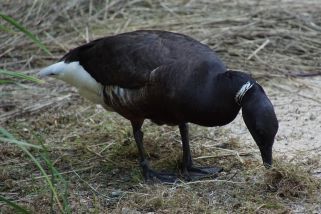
column 164, row 109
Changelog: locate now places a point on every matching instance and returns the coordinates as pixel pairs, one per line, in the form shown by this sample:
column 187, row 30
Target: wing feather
column 128, row 59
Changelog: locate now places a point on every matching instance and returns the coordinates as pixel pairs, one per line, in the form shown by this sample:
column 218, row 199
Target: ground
column 278, row 42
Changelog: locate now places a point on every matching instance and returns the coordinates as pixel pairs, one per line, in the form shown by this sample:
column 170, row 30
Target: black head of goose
column 168, row 78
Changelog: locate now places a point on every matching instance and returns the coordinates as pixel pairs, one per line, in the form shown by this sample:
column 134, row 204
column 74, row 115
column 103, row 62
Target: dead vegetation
column 94, row 150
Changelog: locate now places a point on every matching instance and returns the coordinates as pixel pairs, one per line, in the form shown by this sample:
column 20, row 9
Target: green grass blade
column 5, row 134
column 55, row 173
column 19, row 143
column 20, row 76
column 14, row 23
column 6, row 81
column 18, row 208
column 7, row 137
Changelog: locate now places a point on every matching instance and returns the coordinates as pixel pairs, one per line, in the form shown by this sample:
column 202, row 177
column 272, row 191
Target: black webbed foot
column 196, row 173
column 163, row 177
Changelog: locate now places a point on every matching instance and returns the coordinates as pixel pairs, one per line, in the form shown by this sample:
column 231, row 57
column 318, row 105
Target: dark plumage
column 171, row 79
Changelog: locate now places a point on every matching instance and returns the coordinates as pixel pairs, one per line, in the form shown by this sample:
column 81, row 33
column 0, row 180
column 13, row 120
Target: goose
column 168, row 78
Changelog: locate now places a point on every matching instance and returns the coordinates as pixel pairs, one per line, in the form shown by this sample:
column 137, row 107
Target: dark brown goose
column 168, row 78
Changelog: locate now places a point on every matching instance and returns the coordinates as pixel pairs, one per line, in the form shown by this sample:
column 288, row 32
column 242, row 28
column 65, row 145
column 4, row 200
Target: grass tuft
column 291, row 181
column 7, row 137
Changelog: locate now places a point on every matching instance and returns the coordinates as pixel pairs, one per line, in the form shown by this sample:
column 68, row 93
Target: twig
column 228, row 150
column 230, row 178
column 210, row 181
column 304, row 74
column 221, row 155
column 259, row 207
column 259, row 49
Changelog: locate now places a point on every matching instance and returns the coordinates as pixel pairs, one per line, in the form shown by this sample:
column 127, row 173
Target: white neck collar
column 240, row 94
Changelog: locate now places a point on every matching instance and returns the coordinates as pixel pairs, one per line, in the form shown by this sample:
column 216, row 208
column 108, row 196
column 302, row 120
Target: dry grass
column 94, row 150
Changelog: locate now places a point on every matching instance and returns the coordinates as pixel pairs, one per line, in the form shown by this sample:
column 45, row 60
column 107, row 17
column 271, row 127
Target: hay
column 269, row 39
column 236, row 30
column 290, row 181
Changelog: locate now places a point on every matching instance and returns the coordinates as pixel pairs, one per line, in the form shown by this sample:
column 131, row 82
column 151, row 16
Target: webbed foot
column 163, row 177
column 196, row 173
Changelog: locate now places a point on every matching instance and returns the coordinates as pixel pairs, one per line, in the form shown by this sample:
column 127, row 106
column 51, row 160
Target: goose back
column 127, row 59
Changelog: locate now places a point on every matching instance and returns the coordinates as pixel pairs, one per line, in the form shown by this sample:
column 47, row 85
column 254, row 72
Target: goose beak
column 266, row 154
column 45, row 72
column 52, row 70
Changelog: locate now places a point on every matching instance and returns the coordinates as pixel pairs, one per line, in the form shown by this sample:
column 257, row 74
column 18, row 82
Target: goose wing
column 128, row 59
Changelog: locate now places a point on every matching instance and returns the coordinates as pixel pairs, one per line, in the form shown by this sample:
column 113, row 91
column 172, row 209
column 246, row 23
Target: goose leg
column 148, row 173
column 189, row 171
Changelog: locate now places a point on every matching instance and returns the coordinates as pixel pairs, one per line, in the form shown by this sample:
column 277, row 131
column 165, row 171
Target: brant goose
column 171, row 79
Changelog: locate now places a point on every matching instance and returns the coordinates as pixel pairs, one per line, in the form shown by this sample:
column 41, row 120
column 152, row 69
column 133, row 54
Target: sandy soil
column 299, row 110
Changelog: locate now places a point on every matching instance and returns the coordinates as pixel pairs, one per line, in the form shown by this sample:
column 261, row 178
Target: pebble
column 116, row 193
